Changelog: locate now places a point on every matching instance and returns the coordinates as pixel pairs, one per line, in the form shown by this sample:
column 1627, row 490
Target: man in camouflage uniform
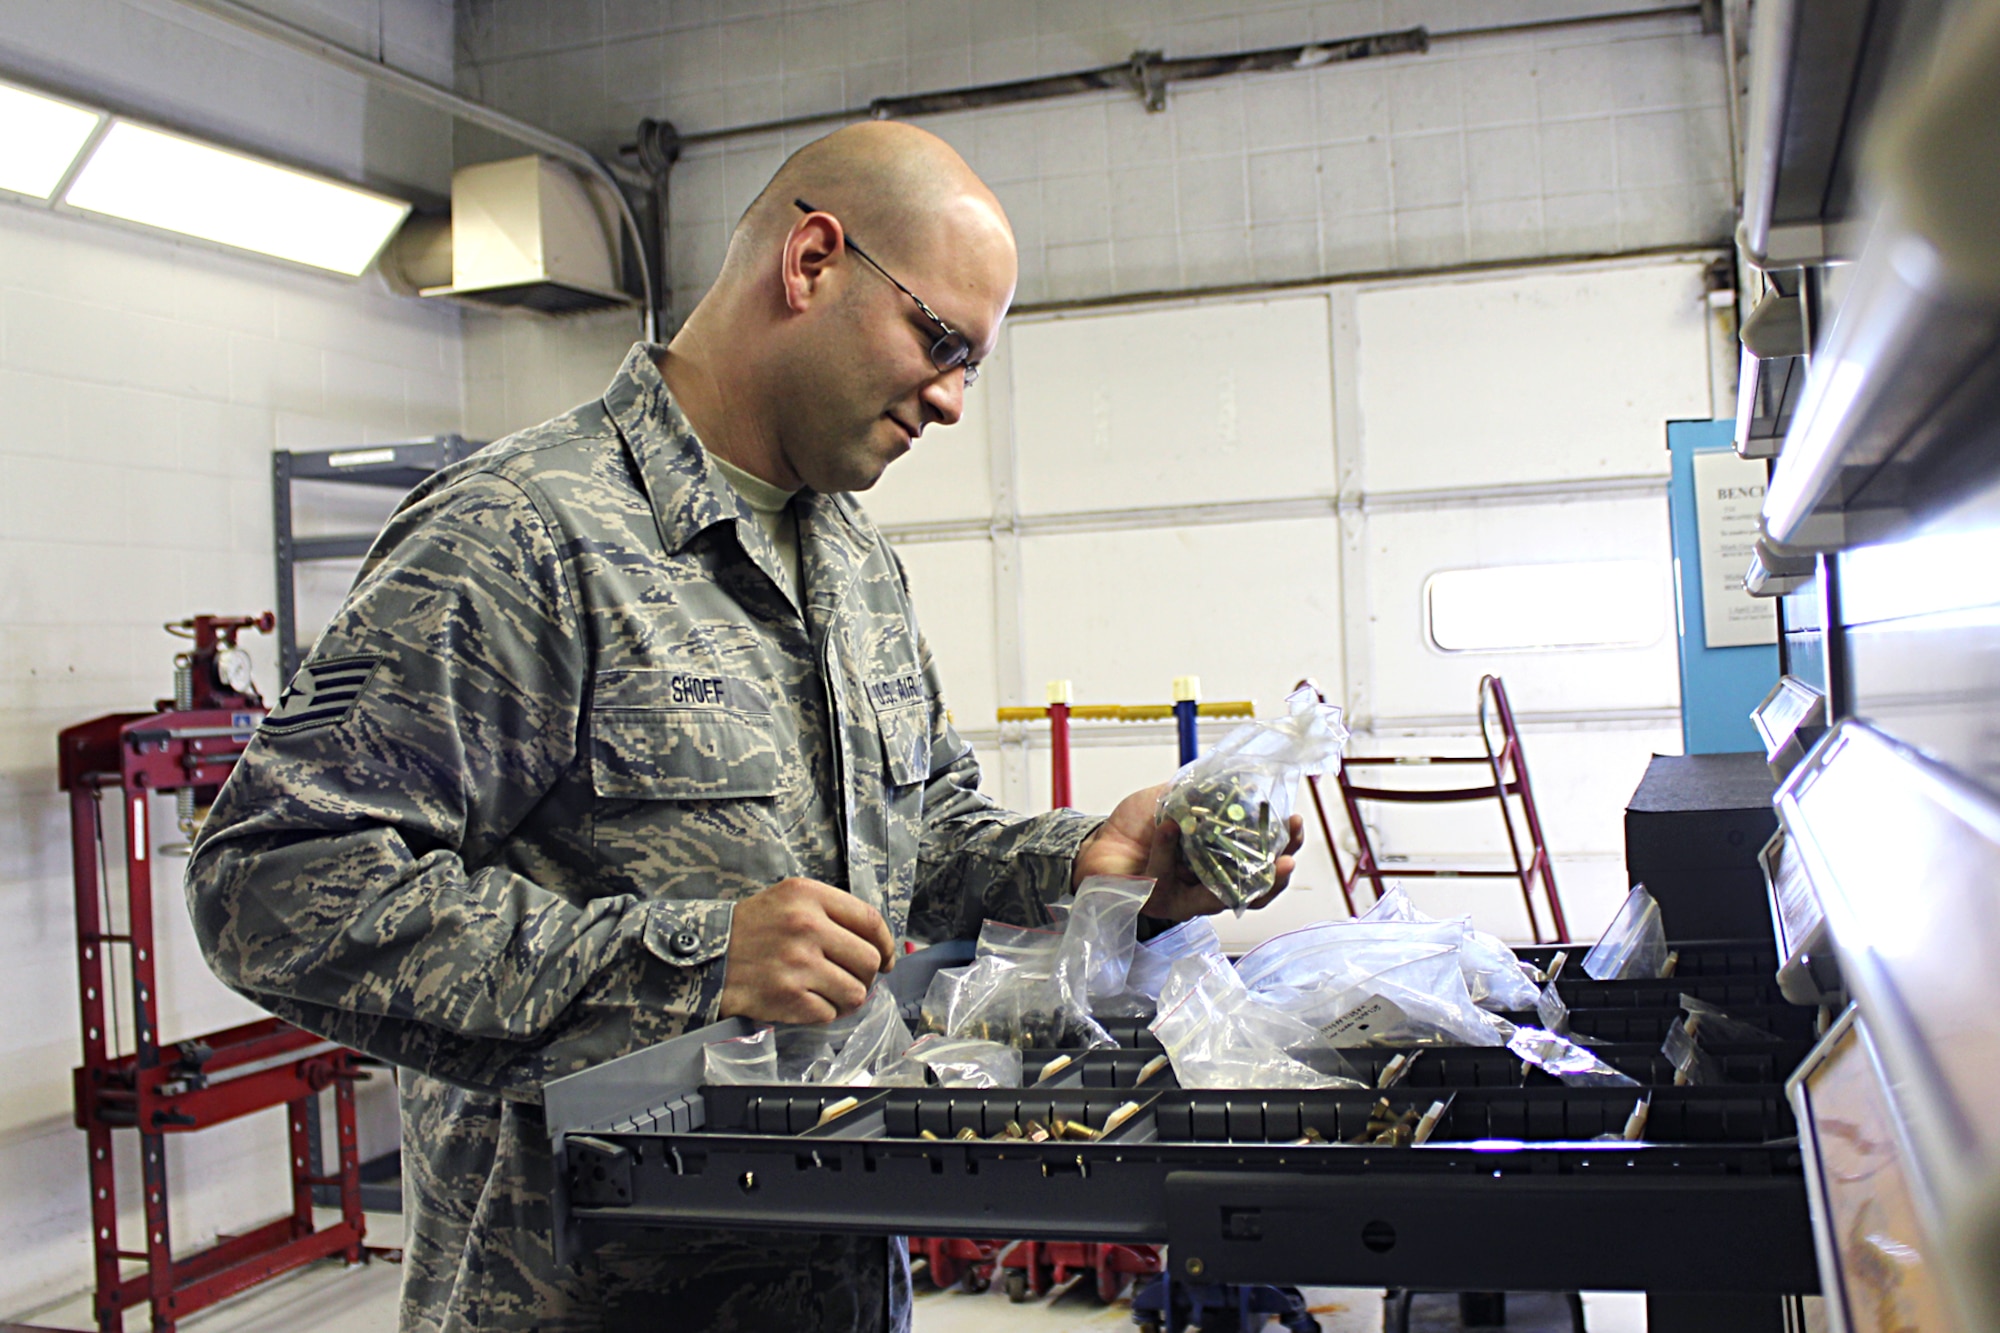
column 607, row 743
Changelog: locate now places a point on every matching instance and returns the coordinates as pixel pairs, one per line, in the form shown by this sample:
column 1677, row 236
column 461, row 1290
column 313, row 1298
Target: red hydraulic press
column 186, row 746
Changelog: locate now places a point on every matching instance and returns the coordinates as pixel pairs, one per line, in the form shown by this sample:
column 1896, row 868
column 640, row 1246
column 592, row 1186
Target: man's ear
column 812, row 249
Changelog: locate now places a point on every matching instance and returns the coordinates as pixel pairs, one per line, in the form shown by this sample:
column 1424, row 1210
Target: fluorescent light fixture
column 163, row 180
column 39, row 138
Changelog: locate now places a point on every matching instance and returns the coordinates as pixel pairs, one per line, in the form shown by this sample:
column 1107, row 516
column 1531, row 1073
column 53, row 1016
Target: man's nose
column 944, row 397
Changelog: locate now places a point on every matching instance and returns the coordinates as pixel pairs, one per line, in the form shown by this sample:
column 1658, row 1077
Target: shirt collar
column 762, row 495
column 687, row 492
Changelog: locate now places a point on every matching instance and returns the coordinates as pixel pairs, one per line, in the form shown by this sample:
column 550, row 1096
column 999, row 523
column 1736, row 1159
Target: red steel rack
column 187, row 746
column 1508, row 765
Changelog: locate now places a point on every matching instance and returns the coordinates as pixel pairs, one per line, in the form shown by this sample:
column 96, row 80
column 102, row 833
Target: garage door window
column 1527, row 608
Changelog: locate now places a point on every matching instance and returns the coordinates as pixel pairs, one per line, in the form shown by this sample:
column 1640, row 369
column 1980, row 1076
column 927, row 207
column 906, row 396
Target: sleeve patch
column 321, row 694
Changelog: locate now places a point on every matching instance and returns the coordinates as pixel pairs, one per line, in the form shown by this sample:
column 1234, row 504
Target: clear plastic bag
column 1373, row 983
column 1033, row 987
column 1706, row 1022
column 872, row 1047
column 804, row 1050
column 751, row 1059
column 1233, row 804
column 1550, row 1008
column 1494, row 977
column 1634, row 945
column 1420, row 1002
column 1693, row 1067
column 1152, row 959
column 954, row 1062
column 1031, row 947
column 1094, row 959
column 863, row 1049
column 1219, row 1035
column 1343, row 952
column 1566, row 1060
column 995, row 1000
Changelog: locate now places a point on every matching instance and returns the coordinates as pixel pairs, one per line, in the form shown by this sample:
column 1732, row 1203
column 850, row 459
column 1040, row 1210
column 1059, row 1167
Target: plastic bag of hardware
column 751, row 1059
column 1219, row 1035
column 1016, row 1005
column 1421, row 1001
column 1494, row 977
column 1233, row 804
column 1693, row 1067
column 1373, row 983
column 1151, row 960
column 1566, row 1060
column 1707, row 1023
column 1634, row 945
column 956, row 1063
column 1029, row 986
column 1007, row 988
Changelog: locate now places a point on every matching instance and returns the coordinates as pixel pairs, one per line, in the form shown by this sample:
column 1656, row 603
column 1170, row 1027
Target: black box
column 1692, row 833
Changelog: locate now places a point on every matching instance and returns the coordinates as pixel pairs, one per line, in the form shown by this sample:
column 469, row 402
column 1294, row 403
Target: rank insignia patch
column 321, row 694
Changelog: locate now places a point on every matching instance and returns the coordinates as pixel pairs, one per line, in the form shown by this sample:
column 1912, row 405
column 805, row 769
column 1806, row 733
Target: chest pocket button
column 684, row 943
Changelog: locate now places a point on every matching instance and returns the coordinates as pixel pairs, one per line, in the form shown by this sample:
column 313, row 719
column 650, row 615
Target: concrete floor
column 331, row 1298
column 327, row 1297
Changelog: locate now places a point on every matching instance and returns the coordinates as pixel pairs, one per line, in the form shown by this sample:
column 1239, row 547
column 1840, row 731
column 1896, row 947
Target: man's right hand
column 803, row 952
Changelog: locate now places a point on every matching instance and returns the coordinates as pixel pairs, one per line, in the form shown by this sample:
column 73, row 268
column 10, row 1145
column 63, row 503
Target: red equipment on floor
column 187, row 746
column 1504, row 759
column 1032, row 1267
column 956, row 1261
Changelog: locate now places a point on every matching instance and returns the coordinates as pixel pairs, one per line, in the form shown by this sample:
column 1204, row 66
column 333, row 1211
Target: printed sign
column 1728, row 497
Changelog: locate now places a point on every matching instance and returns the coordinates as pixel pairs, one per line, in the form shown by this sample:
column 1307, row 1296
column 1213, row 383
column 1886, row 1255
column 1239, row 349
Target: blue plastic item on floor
column 1166, row 1306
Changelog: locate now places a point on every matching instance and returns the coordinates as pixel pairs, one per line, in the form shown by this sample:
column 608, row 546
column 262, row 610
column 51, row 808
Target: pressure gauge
column 232, row 667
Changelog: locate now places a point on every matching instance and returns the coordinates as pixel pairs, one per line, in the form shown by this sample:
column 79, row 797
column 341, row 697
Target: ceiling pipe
column 1148, row 74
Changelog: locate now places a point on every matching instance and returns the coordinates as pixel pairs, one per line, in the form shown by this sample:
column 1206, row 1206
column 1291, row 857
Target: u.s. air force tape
column 897, row 691
column 321, row 694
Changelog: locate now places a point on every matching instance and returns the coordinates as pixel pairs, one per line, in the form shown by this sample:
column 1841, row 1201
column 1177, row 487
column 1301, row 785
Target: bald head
column 904, row 191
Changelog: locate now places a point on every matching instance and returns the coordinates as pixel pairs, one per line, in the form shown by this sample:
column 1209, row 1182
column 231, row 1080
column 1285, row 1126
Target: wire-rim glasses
column 952, row 349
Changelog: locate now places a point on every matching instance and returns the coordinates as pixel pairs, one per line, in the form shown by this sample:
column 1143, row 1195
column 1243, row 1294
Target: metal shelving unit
column 396, row 466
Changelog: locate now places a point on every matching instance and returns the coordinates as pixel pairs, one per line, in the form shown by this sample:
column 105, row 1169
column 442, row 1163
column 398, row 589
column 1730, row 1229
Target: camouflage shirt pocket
column 906, row 744
column 660, row 754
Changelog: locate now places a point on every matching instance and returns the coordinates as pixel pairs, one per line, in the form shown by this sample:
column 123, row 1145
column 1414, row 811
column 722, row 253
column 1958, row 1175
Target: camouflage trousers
column 479, row 1247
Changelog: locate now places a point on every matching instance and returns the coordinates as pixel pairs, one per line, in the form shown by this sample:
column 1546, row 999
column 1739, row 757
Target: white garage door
column 1392, row 488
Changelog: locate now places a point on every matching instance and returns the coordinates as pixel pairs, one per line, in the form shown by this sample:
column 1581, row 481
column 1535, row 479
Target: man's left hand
column 1134, row 842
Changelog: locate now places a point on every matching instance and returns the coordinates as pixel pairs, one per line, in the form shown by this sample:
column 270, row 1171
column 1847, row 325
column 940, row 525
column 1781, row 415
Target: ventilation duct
column 525, row 233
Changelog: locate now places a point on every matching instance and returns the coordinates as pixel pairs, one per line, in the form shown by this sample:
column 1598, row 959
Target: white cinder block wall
column 1566, row 141
column 143, row 386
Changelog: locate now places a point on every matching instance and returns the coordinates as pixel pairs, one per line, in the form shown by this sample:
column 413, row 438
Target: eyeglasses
column 952, row 349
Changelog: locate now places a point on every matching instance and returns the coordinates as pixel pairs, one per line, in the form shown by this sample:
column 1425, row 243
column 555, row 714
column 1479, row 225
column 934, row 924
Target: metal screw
column 1195, row 1266
column 749, row 1181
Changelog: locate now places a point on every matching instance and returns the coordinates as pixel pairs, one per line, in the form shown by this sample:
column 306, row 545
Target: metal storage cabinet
column 1874, row 137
